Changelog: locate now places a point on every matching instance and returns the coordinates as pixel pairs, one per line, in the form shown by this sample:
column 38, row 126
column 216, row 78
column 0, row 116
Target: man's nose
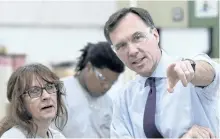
column 132, row 50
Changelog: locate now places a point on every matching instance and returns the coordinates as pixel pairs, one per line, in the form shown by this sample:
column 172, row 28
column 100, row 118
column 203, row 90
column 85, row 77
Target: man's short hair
column 116, row 17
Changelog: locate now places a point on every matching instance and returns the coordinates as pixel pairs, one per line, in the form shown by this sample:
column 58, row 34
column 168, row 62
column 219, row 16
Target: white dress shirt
column 88, row 117
column 176, row 112
column 18, row 132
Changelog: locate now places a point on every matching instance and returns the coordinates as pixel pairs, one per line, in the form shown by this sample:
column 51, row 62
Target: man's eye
column 138, row 37
column 120, row 45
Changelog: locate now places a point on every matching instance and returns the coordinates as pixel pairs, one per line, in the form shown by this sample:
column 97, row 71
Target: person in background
column 168, row 96
column 35, row 95
column 89, row 107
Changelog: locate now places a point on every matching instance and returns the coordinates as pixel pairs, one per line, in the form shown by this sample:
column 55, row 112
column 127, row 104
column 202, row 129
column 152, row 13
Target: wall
column 47, row 45
column 161, row 12
column 55, row 13
column 5, row 72
column 40, row 27
column 206, row 22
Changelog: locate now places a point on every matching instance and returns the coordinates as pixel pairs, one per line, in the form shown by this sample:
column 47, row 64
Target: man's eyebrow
column 120, row 43
column 136, row 33
column 123, row 41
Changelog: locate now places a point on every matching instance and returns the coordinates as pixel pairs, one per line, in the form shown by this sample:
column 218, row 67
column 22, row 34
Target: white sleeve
column 210, row 91
column 57, row 134
column 13, row 133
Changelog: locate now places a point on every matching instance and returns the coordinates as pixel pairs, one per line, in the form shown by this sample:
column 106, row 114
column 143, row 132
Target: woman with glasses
column 89, row 107
column 35, row 95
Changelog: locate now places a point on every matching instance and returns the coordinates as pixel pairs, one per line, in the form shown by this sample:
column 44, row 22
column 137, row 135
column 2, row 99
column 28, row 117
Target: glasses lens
column 34, row 92
column 99, row 75
column 50, row 88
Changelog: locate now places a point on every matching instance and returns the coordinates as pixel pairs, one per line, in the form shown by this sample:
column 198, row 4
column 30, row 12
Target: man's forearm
column 204, row 74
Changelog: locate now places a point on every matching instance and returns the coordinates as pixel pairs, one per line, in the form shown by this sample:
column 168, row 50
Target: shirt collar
column 161, row 69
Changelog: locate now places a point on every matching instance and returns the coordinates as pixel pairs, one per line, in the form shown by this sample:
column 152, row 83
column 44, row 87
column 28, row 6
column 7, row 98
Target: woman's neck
column 43, row 127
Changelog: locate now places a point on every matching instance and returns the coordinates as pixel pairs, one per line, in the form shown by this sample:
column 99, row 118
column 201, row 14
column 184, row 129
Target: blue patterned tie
column 150, row 129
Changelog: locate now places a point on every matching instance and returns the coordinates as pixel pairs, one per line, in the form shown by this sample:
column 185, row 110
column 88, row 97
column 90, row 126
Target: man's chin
column 143, row 73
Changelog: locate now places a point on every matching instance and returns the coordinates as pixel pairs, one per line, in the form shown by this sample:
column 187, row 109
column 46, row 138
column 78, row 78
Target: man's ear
column 156, row 35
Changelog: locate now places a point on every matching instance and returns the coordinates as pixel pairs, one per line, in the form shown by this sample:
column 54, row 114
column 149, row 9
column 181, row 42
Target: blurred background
column 53, row 32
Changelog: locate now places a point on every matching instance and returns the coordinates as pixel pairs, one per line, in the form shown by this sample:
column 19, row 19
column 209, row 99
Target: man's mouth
column 138, row 61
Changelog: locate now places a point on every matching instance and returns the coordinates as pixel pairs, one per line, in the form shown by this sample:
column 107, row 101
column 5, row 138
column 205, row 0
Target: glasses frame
column 42, row 90
column 101, row 77
column 131, row 40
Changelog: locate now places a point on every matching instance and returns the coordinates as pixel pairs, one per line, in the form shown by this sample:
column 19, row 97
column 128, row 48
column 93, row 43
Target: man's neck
column 149, row 74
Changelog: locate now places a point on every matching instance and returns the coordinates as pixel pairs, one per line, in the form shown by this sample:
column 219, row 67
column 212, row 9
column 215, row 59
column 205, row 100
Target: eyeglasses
column 36, row 91
column 136, row 38
column 101, row 77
